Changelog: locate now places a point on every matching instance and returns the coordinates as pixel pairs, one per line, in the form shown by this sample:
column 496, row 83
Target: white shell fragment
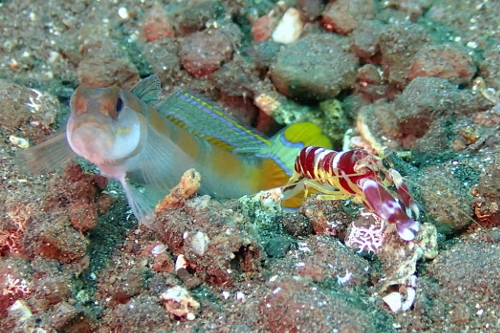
column 123, row 13
column 160, row 248
column 289, row 27
column 181, row 262
column 179, row 302
column 394, row 301
column 199, row 243
column 19, row 142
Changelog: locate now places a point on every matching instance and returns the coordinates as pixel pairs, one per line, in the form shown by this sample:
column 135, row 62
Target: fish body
column 147, row 149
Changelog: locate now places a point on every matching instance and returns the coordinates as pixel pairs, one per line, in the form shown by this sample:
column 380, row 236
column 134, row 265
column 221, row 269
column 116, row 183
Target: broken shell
column 199, row 243
column 19, row 142
column 158, row 249
column 394, row 300
column 179, row 302
column 181, row 262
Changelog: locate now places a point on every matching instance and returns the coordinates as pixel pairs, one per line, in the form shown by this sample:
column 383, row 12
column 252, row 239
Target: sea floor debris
column 72, row 259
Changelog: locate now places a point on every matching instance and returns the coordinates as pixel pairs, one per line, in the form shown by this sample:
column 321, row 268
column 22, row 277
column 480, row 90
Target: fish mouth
column 92, row 140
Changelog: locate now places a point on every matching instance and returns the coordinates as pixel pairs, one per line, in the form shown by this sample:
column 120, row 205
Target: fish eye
column 119, row 104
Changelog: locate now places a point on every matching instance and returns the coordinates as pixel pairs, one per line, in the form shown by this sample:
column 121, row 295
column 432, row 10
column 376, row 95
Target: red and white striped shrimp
column 340, row 175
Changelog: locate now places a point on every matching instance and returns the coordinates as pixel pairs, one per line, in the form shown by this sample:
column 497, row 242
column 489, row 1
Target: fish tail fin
column 280, row 156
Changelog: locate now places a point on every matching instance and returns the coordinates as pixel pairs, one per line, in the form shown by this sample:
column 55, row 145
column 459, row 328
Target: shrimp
column 341, row 175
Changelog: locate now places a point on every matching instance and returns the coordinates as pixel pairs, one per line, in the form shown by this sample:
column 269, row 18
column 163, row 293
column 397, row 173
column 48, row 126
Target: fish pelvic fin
column 141, row 205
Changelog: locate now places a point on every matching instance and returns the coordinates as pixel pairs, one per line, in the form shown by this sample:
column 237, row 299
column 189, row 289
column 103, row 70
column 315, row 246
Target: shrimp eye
column 119, row 104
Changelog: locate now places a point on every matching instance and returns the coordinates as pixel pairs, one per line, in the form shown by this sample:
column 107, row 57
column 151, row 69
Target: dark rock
column 315, row 68
column 278, row 247
column 398, row 45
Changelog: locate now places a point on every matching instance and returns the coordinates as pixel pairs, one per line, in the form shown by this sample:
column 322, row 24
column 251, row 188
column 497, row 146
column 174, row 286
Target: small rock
column 370, row 82
column 263, row 27
column 236, row 78
column 447, row 200
column 55, row 239
column 194, row 15
column 157, row 25
column 278, row 247
column 315, row 68
column 264, row 53
column 63, row 313
column 398, row 44
column 179, row 303
column 365, row 39
column 444, row 61
column 162, row 56
column 489, row 68
column 105, row 63
column 296, row 224
column 25, row 113
column 129, row 284
column 411, row 116
column 290, row 304
column 467, row 273
column 343, row 16
column 203, row 52
column 310, row 9
column 142, row 313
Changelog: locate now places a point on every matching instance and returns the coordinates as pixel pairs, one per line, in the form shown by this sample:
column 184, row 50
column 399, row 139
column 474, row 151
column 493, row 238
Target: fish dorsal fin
column 205, row 119
column 148, row 89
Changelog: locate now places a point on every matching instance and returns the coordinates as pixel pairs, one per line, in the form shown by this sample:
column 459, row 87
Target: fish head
column 105, row 125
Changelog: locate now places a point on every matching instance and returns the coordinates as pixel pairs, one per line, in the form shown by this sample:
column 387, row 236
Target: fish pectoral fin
column 161, row 165
column 47, row 156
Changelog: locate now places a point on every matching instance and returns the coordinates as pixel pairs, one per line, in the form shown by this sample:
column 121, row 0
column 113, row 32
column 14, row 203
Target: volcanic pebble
column 203, row 52
column 469, row 272
column 163, row 59
column 365, row 39
column 294, row 306
column 315, row 68
column 444, row 61
column 343, row 16
column 398, row 45
column 157, row 25
column 25, row 112
column 105, row 63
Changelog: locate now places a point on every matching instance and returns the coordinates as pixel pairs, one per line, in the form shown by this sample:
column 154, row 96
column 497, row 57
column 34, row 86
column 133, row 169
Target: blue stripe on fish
column 206, row 120
column 291, row 144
